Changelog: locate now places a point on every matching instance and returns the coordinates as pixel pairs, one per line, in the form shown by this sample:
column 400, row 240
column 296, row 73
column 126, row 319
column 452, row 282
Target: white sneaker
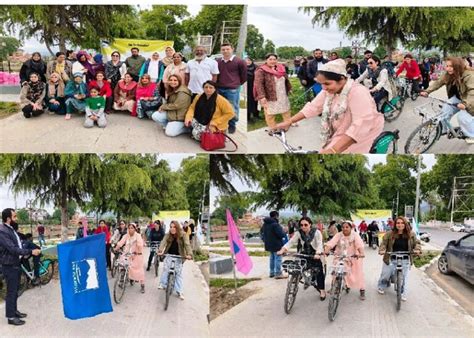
column 404, row 298
column 381, row 291
column 161, row 287
column 180, row 295
column 469, row 140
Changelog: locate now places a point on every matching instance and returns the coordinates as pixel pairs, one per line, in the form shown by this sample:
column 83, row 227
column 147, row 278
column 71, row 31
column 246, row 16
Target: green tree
column 254, row 43
column 59, row 25
column 269, row 47
column 224, row 168
column 71, row 211
column 238, row 204
column 290, row 52
column 23, row 216
column 9, row 46
column 380, row 51
column 164, row 21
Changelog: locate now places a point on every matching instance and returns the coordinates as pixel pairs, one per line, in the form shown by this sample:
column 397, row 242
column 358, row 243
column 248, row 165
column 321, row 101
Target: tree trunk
column 63, row 207
column 242, row 34
column 62, row 23
column 48, row 47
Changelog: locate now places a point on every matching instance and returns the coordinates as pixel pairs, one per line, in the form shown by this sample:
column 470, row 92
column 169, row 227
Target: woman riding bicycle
column 350, row 121
column 401, row 238
column 175, row 242
column 310, row 242
column 119, row 232
column 459, row 82
column 133, row 243
column 349, row 242
column 380, row 87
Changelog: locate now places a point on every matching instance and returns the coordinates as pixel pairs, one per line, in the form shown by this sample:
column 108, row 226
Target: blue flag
column 83, row 277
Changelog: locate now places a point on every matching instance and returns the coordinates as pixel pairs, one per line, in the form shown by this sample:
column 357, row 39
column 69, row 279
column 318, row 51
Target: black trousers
column 11, row 274
column 150, row 258
column 107, row 255
column 29, row 112
column 319, row 277
column 109, row 102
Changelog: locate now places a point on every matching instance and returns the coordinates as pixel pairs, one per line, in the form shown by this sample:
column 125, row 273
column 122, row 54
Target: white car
column 458, row 228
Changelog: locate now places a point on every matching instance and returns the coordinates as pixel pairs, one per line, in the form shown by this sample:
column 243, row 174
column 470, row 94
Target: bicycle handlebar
column 442, row 101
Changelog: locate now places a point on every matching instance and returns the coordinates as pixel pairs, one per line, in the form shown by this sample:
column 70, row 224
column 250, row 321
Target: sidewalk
column 427, row 313
column 139, row 315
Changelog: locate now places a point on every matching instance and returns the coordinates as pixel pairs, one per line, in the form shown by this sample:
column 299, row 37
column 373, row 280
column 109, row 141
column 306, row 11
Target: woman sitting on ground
column 76, row 92
column 32, row 96
column 208, row 110
column 124, row 94
column 147, row 98
column 55, row 98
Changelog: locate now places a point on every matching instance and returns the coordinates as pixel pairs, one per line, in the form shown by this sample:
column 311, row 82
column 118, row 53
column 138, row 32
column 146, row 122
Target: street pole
column 452, row 201
column 418, row 176
column 398, row 200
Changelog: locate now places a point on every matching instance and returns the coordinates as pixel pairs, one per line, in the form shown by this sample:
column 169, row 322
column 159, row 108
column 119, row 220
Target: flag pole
column 233, row 270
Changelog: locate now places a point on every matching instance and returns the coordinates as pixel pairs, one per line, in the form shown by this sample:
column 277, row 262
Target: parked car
column 458, row 257
column 469, row 228
column 457, row 227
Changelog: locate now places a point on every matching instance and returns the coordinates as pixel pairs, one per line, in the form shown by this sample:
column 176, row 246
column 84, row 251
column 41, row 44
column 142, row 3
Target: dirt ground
column 223, row 299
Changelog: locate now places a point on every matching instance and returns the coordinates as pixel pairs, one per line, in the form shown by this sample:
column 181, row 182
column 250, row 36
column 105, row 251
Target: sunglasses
column 115, row 56
column 304, row 224
column 371, row 63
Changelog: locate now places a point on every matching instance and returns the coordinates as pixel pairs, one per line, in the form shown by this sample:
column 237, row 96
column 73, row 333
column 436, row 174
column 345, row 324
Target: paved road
column 308, row 131
column 123, row 134
column 427, row 313
column 441, row 237
column 139, row 315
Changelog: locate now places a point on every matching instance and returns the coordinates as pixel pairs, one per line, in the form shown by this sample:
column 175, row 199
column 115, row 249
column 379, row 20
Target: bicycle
column 433, row 122
column 298, row 273
column 392, row 109
column 174, row 269
column 115, row 263
column 398, row 258
column 123, row 277
column 339, row 271
column 386, row 142
column 406, row 89
column 154, row 245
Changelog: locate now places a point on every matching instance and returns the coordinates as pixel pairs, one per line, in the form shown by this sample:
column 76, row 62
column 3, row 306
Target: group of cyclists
column 345, row 238
column 129, row 240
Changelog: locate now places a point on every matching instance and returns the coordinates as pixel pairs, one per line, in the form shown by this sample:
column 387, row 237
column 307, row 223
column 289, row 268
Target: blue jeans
column 465, row 120
column 275, row 264
column 172, row 128
column 178, row 282
column 388, row 271
column 233, row 96
column 41, row 240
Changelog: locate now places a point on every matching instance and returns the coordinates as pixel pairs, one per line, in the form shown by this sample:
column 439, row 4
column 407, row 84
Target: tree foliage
column 238, row 204
column 9, row 45
column 254, row 43
column 290, row 52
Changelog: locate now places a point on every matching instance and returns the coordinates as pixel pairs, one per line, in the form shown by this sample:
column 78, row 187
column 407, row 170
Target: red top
column 105, row 90
column 363, row 227
column 40, row 230
column 413, row 71
column 105, row 230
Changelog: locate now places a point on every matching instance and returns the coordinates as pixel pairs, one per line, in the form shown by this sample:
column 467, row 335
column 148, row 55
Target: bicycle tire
column 420, row 129
column 23, row 284
column 334, row 298
column 113, row 270
column 156, row 264
column 291, row 291
column 46, row 277
column 397, row 112
column 120, row 286
column 399, row 289
column 414, row 96
column 169, row 289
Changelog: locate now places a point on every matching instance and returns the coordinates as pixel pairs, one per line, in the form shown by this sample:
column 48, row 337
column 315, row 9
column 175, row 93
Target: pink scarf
column 278, row 72
column 145, row 91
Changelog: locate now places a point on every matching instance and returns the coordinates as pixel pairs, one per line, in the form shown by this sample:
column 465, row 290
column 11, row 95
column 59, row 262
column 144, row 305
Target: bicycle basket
column 294, row 265
column 339, row 269
column 429, row 110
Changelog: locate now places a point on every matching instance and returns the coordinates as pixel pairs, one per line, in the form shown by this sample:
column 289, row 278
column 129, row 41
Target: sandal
column 67, row 117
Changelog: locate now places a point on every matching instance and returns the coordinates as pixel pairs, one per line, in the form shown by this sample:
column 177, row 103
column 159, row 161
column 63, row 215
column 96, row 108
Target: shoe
column 148, row 269
column 381, row 291
column 404, row 298
column 231, row 129
column 180, row 295
column 469, row 140
column 16, row 321
column 282, row 276
column 161, row 287
column 20, row 314
column 272, row 276
column 362, row 295
column 142, row 288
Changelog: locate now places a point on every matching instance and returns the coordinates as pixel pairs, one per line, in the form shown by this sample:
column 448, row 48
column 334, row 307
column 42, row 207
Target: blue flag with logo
column 83, row 277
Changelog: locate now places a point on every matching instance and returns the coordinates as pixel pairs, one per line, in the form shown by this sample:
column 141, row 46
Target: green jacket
column 177, row 104
column 389, row 239
column 183, row 245
column 466, row 91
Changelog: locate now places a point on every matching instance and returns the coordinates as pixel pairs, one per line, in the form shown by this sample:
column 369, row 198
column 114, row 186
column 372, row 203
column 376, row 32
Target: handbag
column 215, row 140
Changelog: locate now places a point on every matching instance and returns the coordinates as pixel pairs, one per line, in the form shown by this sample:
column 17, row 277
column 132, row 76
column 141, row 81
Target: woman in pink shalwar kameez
column 350, row 120
column 349, row 240
column 134, row 244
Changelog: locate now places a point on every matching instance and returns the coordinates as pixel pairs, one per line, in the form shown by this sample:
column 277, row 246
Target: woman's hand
column 281, row 251
column 187, row 123
column 461, row 106
column 285, row 125
column 317, row 256
column 160, row 253
column 264, row 103
column 424, row 94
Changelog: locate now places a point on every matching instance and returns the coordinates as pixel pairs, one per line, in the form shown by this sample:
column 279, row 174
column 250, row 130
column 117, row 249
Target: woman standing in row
column 115, row 70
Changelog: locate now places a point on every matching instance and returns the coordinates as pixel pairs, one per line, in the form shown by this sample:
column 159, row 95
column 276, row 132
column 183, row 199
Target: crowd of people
column 339, row 237
column 350, row 96
column 182, row 96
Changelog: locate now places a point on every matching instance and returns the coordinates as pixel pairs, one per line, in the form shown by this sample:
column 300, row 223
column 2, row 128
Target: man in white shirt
column 200, row 70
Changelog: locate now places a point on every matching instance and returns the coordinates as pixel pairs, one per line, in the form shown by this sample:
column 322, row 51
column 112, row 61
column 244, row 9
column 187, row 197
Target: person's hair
column 80, row 222
column 179, row 53
column 158, row 222
column 305, row 218
column 269, row 55
column 58, row 54
column 376, row 59
column 100, row 72
column 35, row 73
column 408, row 55
column 225, row 44
column 406, row 231
column 179, row 229
column 317, row 50
column 7, row 213
column 129, row 74
column 36, row 53
column 97, row 90
column 135, row 49
column 28, row 236
column 145, row 76
column 102, row 220
column 459, row 66
column 346, row 222
column 171, row 90
column 69, row 52
column 368, row 51
column 332, row 223
column 331, row 76
column 385, row 56
column 116, row 52
column 212, row 83
column 274, row 214
column 349, row 56
column 334, row 53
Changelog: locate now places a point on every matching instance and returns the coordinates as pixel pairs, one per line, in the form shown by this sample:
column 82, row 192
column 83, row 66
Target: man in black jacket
column 273, row 236
column 315, row 64
column 11, row 251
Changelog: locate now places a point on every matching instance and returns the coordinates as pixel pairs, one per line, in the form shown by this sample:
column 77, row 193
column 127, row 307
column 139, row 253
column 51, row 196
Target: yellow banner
column 167, row 216
column 371, row 215
column 146, row 47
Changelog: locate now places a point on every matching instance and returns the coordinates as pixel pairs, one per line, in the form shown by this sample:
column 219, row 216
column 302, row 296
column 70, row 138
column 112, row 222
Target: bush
column 425, row 258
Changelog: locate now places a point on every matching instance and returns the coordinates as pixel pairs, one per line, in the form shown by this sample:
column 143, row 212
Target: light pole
column 29, row 206
column 355, row 48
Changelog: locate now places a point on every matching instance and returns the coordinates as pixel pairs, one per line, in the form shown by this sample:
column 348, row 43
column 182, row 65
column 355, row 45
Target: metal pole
column 233, row 271
column 398, row 200
column 418, row 176
column 452, row 201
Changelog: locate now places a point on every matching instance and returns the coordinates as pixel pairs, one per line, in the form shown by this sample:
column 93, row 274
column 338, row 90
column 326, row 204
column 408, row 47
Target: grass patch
column 201, row 256
column 251, row 253
column 425, row 258
column 242, row 104
column 229, row 282
column 8, row 108
column 297, row 101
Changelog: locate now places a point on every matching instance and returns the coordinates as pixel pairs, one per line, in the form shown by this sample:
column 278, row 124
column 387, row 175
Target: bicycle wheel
column 113, row 271
column 23, row 284
column 120, row 285
column 414, row 96
column 156, row 264
column 47, row 271
column 334, row 299
column 395, row 113
column 422, row 138
column 291, row 291
column 169, row 289
column 399, row 289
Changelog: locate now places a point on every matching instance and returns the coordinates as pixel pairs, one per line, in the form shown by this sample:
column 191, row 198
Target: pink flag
column 243, row 262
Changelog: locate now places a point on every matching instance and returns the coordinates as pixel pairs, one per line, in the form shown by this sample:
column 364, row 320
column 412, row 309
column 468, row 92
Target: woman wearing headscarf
column 84, row 66
column 33, row 65
column 98, row 66
column 76, row 92
column 168, row 59
column 115, row 69
column 147, row 98
column 124, row 94
column 208, row 110
column 55, row 98
column 32, row 96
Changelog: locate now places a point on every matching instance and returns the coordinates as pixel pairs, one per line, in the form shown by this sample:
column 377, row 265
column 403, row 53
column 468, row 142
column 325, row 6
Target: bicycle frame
column 281, row 136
